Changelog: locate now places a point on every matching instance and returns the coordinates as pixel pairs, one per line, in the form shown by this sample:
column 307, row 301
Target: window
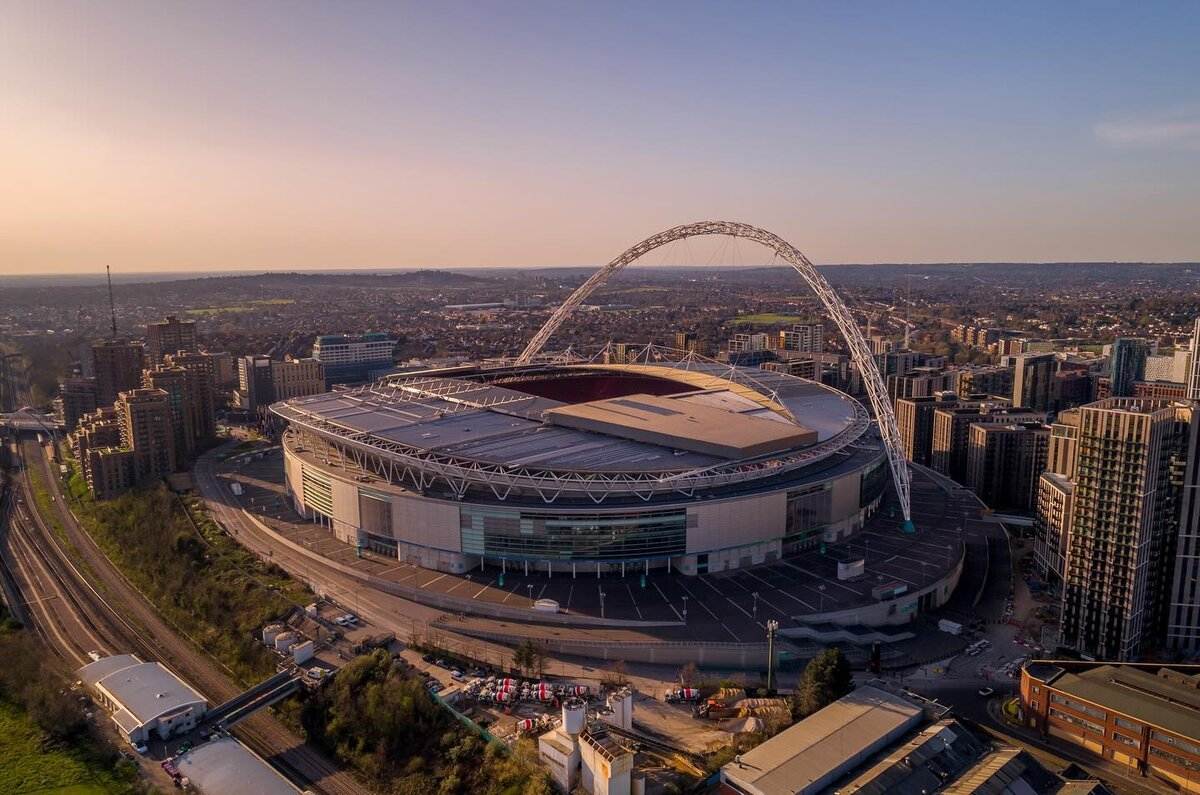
column 1174, row 759
column 1127, row 724
column 1121, row 738
column 1074, row 721
column 1176, row 742
column 538, row 536
column 1078, row 706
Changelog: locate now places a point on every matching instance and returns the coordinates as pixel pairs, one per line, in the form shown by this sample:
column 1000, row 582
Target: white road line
column 706, row 608
column 635, row 604
column 484, row 588
column 667, row 601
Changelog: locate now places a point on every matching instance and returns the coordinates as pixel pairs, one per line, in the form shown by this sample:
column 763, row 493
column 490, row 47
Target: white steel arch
column 860, row 353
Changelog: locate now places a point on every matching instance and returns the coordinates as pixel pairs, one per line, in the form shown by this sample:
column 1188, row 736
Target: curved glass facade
column 531, row 535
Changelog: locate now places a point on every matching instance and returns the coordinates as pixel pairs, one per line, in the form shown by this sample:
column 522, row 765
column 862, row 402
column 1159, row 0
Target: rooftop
column 471, row 415
column 226, row 767
column 823, row 744
column 142, row 690
column 1153, row 699
column 684, row 425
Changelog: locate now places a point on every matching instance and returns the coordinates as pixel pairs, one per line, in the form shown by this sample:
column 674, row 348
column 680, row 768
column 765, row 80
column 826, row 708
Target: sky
column 161, row 135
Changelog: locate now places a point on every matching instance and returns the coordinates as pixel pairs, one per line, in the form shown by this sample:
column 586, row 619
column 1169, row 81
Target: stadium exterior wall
column 709, row 534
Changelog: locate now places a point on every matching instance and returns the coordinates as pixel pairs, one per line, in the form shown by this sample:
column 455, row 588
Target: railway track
column 121, row 619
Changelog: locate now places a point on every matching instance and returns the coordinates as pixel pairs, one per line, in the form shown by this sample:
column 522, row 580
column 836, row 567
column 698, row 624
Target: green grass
column 204, row 582
column 239, row 308
column 766, row 319
column 27, row 768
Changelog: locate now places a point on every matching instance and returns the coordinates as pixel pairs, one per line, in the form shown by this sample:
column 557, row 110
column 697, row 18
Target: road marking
column 570, row 593
column 635, row 604
column 667, row 601
column 484, row 588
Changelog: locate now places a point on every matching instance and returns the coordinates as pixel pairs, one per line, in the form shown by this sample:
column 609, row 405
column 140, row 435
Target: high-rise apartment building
column 347, row 358
column 914, row 418
column 178, row 386
column 952, row 426
column 920, row 382
column 169, row 336
column 1004, row 462
column 128, row 443
column 1033, row 380
column 145, row 417
column 803, row 337
column 689, row 342
column 293, row 378
column 1183, row 612
column 117, row 366
column 983, row 380
column 256, row 388
column 202, row 385
column 1193, row 379
column 77, row 397
column 1130, row 471
column 745, row 343
column 1055, row 497
column 1127, row 364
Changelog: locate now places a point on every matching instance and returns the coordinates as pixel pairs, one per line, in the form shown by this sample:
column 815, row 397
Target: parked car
column 986, row 691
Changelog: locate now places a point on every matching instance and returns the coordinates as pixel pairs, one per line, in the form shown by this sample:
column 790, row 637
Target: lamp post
column 772, row 627
column 755, row 595
column 685, row 610
column 602, row 603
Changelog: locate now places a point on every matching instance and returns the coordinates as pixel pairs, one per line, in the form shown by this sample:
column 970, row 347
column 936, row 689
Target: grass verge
column 198, row 577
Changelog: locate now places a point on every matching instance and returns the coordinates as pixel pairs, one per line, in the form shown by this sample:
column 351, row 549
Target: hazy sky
column 170, row 135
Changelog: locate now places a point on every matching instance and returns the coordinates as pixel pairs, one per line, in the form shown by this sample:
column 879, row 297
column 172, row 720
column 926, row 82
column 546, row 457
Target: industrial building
column 814, row 753
column 146, row 700
column 874, row 742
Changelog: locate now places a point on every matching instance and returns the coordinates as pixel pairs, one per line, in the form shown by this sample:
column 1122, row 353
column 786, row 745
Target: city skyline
column 282, row 137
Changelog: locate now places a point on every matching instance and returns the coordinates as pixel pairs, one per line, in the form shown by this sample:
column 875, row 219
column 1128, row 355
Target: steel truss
column 399, row 463
column 860, row 353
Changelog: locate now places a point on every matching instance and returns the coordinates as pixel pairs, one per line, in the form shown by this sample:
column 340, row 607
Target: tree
column 525, row 656
column 825, row 679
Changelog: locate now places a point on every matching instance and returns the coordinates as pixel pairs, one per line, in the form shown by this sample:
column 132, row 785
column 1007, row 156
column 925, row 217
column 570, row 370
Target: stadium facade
column 673, row 461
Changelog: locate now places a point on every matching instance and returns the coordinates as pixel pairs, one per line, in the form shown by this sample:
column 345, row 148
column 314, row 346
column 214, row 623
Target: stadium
column 694, row 479
column 681, row 463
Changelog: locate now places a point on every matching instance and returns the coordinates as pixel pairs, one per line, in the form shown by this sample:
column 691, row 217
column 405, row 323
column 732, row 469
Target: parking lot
column 726, row 606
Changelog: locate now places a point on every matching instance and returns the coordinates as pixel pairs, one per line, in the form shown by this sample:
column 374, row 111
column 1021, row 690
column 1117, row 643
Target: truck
column 951, row 627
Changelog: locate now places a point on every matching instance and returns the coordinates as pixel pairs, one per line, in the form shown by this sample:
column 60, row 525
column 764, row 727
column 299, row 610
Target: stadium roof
column 711, row 429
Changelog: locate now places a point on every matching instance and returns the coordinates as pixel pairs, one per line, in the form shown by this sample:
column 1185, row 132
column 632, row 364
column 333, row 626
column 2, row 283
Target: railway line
column 104, row 612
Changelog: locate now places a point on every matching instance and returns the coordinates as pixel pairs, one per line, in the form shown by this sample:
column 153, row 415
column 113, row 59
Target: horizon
column 273, row 136
column 131, row 277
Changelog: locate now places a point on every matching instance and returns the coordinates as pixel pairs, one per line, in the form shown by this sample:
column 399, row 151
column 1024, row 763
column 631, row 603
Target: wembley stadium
column 671, row 461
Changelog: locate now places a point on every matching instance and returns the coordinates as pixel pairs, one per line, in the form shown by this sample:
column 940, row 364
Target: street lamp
column 772, row 627
column 602, row 603
column 529, row 590
column 821, row 590
column 755, row 595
